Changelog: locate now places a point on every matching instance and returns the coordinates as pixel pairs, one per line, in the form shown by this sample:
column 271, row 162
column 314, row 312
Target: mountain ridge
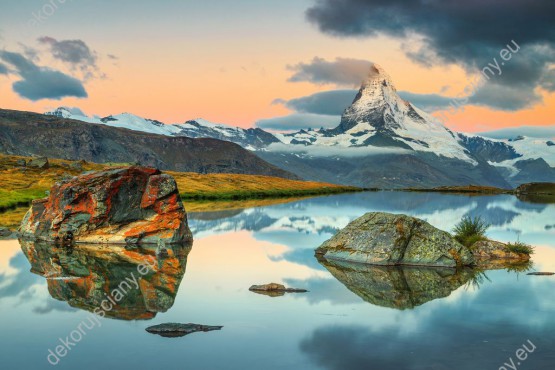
column 378, row 127
column 27, row 133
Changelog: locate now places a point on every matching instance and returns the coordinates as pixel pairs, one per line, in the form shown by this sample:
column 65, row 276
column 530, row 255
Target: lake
column 353, row 317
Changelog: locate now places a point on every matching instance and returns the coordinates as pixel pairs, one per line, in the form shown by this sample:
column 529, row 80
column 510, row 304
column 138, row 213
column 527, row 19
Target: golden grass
column 231, row 186
column 19, row 187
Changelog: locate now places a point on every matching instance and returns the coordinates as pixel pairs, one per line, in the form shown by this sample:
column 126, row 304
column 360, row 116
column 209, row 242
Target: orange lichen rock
column 119, row 206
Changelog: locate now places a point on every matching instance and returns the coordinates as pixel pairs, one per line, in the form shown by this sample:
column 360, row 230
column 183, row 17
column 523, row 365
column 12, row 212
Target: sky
column 280, row 65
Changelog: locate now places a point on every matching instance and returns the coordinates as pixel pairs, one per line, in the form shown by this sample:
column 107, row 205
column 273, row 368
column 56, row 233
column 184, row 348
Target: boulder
column 485, row 250
column 387, row 239
column 77, row 166
column 40, row 162
column 129, row 205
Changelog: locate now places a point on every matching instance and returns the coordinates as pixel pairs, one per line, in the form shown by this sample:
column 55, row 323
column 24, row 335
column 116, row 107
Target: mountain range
column 381, row 141
column 26, row 134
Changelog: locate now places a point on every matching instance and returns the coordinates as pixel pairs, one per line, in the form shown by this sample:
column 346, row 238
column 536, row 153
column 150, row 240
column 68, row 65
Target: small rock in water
column 174, row 330
column 274, row 290
column 541, row 273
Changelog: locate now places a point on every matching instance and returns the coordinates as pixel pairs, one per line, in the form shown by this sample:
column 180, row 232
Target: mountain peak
column 377, row 105
column 376, row 77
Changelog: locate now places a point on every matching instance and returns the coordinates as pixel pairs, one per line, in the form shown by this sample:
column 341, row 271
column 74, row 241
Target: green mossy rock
column 387, row 239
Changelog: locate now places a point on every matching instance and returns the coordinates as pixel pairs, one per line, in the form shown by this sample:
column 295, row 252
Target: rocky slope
column 252, row 138
column 25, row 133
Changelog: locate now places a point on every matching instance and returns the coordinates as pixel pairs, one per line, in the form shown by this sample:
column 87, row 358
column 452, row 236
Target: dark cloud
column 3, row 69
column 507, row 98
column 331, row 103
column 76, row 53
column 341, row 72
column 467, row 33
column 427, row 102
column 40, row 82
column 296, row 122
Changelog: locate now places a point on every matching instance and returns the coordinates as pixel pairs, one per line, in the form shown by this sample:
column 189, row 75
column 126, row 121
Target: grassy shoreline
column 19, row 185
column 268, row 194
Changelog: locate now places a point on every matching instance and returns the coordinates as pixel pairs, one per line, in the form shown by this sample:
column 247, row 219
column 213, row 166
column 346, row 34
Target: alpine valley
column 382, row 141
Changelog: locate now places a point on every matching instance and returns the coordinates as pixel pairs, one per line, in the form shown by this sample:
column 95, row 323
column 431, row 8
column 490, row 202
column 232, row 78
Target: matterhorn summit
column 380, row 118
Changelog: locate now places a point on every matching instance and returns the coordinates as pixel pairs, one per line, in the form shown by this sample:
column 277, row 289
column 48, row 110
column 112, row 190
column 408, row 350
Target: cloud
column 332, row 151
column 540, row 132
column 507, row 98
column 427, row 102
column 334, row 102
column 341, row 72
column 75, row 53
column 437, row 337
column 468, row 34
column 331, row 103
column 295, row 122
column 3, row 69
column 40, row 82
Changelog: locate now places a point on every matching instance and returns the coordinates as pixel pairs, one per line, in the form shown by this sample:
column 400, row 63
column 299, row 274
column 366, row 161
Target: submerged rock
column 119, row 206
column 386, row 239
column 173, row 330
column 275, row 290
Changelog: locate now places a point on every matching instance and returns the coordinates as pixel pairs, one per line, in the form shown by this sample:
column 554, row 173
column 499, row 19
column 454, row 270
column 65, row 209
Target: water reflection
column 303, row 225
column 328, row 328
column 400, row 287
column 86, row 275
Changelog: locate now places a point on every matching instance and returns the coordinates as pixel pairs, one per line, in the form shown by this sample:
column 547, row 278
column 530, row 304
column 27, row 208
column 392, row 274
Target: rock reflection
column 400, row 287
column 86, row 275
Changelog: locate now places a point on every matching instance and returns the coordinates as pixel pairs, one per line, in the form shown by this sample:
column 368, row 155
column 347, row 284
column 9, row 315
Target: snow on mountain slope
column 124, row 120
column 379, row 117
column 534, row 148
column 251, row 139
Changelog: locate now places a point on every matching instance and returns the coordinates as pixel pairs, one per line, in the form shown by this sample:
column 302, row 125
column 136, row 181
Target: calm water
column 352, row 318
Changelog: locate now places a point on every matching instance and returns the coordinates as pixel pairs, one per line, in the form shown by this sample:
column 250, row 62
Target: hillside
column 25, row 133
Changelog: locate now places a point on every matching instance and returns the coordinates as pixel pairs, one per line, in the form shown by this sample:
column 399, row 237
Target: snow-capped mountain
column 379, row 117
column 395, row 145
column 252, row 138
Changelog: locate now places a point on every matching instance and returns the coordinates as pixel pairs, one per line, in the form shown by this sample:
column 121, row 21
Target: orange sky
column 231, row 72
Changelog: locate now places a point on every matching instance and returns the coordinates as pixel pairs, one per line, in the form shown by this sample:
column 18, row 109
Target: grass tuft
column 521, row 248
column 470, row 230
